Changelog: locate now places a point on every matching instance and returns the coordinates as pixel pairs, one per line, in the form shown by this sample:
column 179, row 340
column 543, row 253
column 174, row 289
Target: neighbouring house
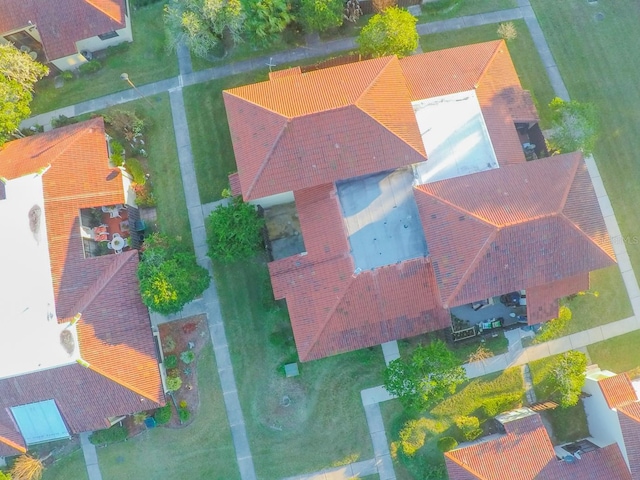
column 413, row 193
column 77, row 348
column 61, row 32
column 523, row 451
column 613, row 413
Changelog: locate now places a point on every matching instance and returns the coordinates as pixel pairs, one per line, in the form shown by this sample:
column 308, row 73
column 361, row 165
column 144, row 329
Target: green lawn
column 201, row 450
column 468, row 400
column 593, row 58
column 445, row 9
column 568, row 424
column 523, row 52
column 324, row 425
column 618, row 354
column 145, row 60
column 70, row 466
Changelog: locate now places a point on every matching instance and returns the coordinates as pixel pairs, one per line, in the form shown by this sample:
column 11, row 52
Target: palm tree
column 27, row 467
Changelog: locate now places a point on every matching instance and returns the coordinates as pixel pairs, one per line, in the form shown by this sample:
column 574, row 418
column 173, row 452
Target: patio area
column 110, row 229
column 495, row 310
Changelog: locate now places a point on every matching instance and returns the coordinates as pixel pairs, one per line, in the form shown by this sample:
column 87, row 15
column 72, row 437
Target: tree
column 18, row 74
column 574, row 125
column 234, row 231
column 266, row 19
column 202, row 24
column 320, row 15
column 432, row 372
column 169, row 275
column 567, row 377
column 5, row 476
column 391, row 32
column 27, row 467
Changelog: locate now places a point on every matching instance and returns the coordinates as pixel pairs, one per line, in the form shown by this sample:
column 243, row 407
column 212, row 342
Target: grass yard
column 324, row 425
column 201, row 450
column 468, row 400
column 593, row 58
column 523, row 52
column 444, row 9
column 71, row 466
column 618, row 354
column 568, row 424
column 145, row 60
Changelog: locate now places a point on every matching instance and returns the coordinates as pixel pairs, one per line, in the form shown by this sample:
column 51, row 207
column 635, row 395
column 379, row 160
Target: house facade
column 77, row 348
column 414, row 194
column 60, row 32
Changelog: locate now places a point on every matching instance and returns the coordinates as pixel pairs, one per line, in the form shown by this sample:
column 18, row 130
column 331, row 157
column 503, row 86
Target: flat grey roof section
column 455, row 137
column 381, row 217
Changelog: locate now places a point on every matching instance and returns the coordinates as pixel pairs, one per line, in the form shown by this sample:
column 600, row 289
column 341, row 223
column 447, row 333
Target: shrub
column 91, row 66
column 134, row 167
column 174, row 383
column 234, row 231
column 173, row 372
column 184, row 414
column 187, row 356
column 168, row 344
column 117, row 433
column 163, row 414
column 469, row 427
column 507, row 401
column 116, row 146
column 554, row 328
column 63, row 121
column 447, row 443
column 143, row 3
column 139, row 418
column 183, row 404
column 125, row 123
column 67, row 75
column 391, row 32
column 508, row 31
column 320, row 15
column 169, row 275
column 282, row 336
column 412, row 437
column 170, row 361
column 144, row 196
column 117, row 159
column 27, row 467
column 5, row 476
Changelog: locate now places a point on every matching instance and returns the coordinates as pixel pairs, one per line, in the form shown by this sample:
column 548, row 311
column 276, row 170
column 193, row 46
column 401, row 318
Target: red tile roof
column 297, row 131
column 234, row 184
column 513, row 228
column 629, row 418
column 115, row 335
column 526, row 453
column 62, row 23
column 617, row 390
column 542, row 301
column 333, row 309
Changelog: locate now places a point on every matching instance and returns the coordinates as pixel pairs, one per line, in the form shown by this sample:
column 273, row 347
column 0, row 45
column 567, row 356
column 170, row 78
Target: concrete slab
column 595, row 335
column 605, row 206
column 475, row 369
column 579, row 339
column 635, row 305
column 375, row 395
column 390, row 351
column 612, row 226
column 363, row 468
column 234, row 413
column 240, row 441
column 247, row 471
column 631, row 283
column 620, row 327
column 223, row 359
column 374, row 419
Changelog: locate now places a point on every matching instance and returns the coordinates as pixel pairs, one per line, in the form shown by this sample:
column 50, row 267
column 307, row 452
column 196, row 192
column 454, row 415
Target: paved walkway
column 90, row 457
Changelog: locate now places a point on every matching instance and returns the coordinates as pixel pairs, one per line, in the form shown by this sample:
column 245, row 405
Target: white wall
column 603, row 421
column 272, row 200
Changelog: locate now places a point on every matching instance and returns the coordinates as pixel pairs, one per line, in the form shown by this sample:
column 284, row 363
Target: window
column 108, row 35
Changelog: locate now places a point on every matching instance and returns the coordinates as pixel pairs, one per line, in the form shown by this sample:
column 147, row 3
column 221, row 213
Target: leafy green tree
column 575, row 126
column 169, row 275
column 266, row 19
column 202, row 24
column 568, row 377
column 320, row 15
column 18, row 74
column 234, row 231
column 432, row 372
column 5, row 476
column 390, row 32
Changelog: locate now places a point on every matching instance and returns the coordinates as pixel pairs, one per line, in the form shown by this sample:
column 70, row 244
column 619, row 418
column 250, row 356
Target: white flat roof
column 455, row 137
column 29, row 331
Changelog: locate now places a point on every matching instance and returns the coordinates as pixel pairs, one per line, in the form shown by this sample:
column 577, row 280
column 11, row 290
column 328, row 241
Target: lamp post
column 125, row 77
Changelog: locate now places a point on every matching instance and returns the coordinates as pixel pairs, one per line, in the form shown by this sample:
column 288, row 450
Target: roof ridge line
column 314, row 339
column 375, row 78
column 465, row 466
column 229, row 92
column 469, row 270
column 574, row 172
column 102, row 281
column 587, row 237
column 265, row 162
column 13, row 444
column 454, row 206
column 489, row 63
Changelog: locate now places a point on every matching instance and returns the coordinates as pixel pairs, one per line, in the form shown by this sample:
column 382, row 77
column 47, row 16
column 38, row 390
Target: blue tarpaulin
column 40, row 422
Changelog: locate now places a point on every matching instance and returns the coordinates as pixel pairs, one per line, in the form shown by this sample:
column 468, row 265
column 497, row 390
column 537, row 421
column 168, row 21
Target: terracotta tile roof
column 234, row 184
column 114, row 333
column 629, row 418
column 61, row 23
column 542, row 301
column 513, row 228
column 618, row 390
column 285, row 73
column 11, row 442
column 299, row 131
column 333, row 310
column 526, row 453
